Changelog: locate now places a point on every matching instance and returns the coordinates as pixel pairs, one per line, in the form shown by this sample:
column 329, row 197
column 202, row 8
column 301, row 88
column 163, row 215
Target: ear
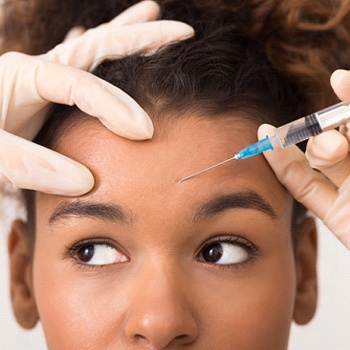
column 306, row 258
column 22, row 293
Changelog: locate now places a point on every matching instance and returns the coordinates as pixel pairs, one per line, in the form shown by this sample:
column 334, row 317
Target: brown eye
column 224, row 253
column 85, row 254
column 97, row 254
column 212, row 252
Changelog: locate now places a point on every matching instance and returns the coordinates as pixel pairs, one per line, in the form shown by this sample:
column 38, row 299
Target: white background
column 330, row 329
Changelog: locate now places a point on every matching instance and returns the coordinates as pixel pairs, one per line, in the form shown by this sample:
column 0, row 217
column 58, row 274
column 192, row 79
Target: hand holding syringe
column 325, row 191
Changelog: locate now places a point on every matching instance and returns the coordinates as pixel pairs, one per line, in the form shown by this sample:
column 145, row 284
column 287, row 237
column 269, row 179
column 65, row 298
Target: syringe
column 294, row 132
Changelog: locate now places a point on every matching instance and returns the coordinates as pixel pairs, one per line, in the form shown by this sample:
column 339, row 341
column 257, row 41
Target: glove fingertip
column 340, row 81
column 265, row 129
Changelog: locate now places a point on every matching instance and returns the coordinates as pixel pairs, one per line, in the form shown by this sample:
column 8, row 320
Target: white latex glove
column 29, row 83
column 325, row 192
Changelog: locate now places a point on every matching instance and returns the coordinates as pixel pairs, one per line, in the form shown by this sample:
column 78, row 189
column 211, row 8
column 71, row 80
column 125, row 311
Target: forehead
column 147, row 173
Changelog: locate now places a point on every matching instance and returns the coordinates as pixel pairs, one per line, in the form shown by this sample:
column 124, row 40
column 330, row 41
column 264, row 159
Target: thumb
column 292, row 169
column 340, row 81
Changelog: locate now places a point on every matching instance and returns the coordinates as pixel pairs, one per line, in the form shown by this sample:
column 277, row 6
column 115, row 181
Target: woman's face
column 144, row 261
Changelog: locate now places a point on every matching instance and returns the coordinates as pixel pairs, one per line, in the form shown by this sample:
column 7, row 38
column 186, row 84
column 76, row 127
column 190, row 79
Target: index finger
column 96, row 97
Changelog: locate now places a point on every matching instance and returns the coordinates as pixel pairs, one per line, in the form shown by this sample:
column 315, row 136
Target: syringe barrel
column 302, row 129
column 298, row 130
column 334, row 116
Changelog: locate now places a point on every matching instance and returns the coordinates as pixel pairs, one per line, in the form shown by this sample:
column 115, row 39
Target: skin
column 157, row 289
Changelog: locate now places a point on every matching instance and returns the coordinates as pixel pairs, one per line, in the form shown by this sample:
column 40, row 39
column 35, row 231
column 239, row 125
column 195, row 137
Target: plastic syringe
column 294, row 132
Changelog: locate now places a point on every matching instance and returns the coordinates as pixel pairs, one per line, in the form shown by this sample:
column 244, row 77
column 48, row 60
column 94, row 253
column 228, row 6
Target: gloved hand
column 325, row 192
column 29, row 83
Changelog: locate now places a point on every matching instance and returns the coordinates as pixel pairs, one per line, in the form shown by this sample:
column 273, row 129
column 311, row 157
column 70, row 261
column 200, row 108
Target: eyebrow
column 102, row 211
column 115, row 213
column 239, row 200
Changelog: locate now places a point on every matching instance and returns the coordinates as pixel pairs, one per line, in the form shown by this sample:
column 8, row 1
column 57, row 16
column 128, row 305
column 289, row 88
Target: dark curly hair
column 304, row 40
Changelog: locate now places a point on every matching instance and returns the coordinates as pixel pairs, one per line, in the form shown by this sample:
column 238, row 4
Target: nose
column 161, row 313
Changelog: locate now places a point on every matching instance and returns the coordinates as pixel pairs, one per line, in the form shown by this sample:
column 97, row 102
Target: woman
column 223, row 261
column 172, row 266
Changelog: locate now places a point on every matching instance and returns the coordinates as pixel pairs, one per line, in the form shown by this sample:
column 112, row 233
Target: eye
column 97, row 253
column 227, row 252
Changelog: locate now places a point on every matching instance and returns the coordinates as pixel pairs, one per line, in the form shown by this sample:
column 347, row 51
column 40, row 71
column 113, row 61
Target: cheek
column 76, row 309
column 256, row 305
column 256, row 309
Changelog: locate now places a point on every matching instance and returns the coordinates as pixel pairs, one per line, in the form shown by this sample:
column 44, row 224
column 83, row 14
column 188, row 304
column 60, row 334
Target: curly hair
column 305, row 40
column 36, row 26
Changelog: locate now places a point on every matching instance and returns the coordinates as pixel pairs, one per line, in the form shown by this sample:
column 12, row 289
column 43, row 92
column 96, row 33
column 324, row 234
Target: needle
column 206, row 169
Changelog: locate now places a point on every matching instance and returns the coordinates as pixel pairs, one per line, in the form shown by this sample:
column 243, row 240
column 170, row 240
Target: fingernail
column 187, row 31
column 68, row 179
column 121, row 114
column 77, row 185
column 177, row 30
column 145, row 126
column 265, row 129
column 338, row 76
